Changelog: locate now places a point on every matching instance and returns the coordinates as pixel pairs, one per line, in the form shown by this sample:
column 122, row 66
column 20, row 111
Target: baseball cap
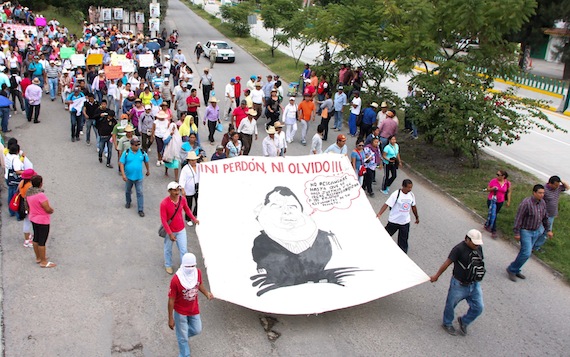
column 475, row 236
column 173, row 185
column 148, row 106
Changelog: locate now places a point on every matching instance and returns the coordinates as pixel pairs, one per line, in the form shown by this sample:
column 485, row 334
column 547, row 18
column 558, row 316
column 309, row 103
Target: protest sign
column 78, row 60
column 113, row 72
column 128, row 66
column 66, row 52
column 116, row 59
column 41, row 21
column 302, row 237
column 146, row 60
column 94, row 59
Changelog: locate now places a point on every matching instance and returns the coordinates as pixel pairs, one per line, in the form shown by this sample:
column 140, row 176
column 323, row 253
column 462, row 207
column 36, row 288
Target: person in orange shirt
column 306, row 113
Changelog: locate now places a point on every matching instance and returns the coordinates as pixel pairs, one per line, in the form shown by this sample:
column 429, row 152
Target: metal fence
column 551, row 85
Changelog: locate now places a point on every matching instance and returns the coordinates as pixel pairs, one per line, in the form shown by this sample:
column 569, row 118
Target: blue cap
column 233, row 80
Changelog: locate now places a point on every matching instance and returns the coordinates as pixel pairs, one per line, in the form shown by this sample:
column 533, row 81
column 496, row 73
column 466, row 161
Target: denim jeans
column 338, row 119
column 16, row 94
column 542, row 239
column 90, row 123
column 472, row 293
column 352, row 124
column 181, row 243
column 104, row 141
column 138, row 187
column 76, row 124
column 52, row 87
column 11, row 192
column 493, row 225
column 186, row 327
column 5, row 112
column 98, row 95
column 528, row 240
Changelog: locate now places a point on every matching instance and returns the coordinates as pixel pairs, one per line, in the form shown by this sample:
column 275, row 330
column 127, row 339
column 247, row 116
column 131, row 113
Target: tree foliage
column 237, row 15
column 277, row 15
column 454, row 106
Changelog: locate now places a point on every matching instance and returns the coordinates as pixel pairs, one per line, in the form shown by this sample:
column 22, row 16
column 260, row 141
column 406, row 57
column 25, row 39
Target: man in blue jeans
column 463, row 285
column 131, row 165
column 531, row 222
column 183, row 309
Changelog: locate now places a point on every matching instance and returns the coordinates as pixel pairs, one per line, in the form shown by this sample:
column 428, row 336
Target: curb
column 478, row 217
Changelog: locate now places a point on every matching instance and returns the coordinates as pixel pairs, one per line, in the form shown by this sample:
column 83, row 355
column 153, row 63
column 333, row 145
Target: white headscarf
column 188, row 273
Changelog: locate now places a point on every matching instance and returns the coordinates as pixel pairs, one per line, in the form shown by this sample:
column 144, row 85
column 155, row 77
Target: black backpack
column 476, row 267
column 13, row 83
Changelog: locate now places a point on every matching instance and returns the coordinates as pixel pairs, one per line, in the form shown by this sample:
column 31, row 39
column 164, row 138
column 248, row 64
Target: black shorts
column 41, row 233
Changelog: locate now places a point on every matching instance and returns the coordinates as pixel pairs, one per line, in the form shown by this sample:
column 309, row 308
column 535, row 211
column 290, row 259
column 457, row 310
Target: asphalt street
column 108, row 294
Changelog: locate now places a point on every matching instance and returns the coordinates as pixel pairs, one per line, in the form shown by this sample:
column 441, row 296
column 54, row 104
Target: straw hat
column 270, row 130
column 252, row 112
column 213, row 100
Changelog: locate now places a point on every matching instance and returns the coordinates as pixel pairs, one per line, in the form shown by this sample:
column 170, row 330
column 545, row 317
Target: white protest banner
column 78, row 60
column 295, row 235
column 146, row 60
column 20, row 29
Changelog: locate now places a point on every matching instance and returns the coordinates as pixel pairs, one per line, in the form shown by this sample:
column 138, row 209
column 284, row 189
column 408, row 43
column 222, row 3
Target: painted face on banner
column 282, row 218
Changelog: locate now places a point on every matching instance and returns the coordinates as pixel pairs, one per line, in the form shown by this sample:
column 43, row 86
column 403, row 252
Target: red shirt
column 192, row 99
column 240, row 114
column 185, row 300
column 167, row 208
column 237, row 90
column 24, row 84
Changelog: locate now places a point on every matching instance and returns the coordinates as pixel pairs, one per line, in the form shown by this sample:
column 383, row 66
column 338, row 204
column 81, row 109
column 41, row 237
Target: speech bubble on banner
column 327, row 192
column 94, row 59
column 78, row 60
column 113, row 72
column 66, row 52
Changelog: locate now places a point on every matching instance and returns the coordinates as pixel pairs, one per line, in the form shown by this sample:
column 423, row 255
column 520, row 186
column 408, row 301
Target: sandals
column 49, row 265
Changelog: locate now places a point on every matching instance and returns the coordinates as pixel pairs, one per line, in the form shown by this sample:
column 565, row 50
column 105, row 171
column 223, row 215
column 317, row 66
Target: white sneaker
column 81, row 133
column 190, row 224
column 158, row 163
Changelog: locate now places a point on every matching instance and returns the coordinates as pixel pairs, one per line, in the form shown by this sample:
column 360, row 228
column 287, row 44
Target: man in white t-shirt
column 317, row 142
column 230, row 99
column 400, row 203
column 355, row 106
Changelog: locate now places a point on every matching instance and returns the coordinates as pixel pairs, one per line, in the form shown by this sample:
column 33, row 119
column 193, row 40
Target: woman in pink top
column 39, row 213
column 498, row 188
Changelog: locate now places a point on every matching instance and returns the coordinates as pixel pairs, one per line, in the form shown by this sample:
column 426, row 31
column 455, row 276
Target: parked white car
column 225, row 52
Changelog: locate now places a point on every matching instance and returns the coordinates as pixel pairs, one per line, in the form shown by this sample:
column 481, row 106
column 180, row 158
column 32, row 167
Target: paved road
column 107, row 297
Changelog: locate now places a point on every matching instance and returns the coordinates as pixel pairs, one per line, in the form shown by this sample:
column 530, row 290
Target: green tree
column 237, row 15
column 276, row 15
column 453, row 106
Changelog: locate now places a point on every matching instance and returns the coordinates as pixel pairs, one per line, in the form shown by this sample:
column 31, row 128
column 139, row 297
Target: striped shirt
column 52, row 71
column 530, row 214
